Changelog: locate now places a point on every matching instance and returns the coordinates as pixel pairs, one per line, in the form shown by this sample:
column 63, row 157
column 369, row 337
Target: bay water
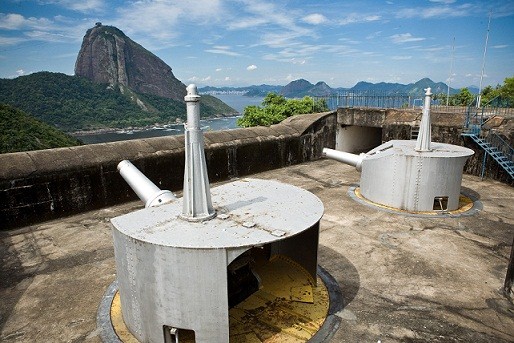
column 236, row 101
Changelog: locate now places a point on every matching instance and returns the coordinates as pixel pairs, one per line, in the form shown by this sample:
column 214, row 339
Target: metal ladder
column 495, row 147
column 492, row 144
column 414, row 132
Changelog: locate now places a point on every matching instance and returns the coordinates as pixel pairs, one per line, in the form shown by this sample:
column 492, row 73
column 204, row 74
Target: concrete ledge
column 40, row 185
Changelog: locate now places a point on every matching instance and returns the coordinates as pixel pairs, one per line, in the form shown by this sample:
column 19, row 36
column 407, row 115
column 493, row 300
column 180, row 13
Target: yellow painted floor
column 288, row 308
column 465, row 204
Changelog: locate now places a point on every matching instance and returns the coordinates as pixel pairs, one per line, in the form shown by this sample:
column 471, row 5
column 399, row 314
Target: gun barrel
column 145, row 189
column 344, row 157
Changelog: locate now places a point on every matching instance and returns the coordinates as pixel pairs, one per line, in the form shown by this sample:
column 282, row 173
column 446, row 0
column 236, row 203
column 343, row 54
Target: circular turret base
column 468, row 206
column 272, row 314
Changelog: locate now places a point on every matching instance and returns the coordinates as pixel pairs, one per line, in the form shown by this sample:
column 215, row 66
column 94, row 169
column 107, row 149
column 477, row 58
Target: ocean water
column 168, row 130
column 238, row 102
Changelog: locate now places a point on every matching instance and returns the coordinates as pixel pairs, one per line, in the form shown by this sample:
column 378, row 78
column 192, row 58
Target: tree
column 463, row 98
column 507, row 90
column 276, row 108
column 489, row 93
column 22, row 132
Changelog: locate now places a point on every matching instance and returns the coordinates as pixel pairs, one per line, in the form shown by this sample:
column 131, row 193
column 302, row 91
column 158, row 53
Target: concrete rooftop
column 403, row 278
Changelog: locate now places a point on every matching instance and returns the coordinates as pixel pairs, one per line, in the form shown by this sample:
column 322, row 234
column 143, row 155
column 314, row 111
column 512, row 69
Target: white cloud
column 20, row 72
column 315, row 19
column 436, row 12
column 354, row 18
column 199, row 79
column 58, row 29
column 219, row 69
column 291, row 77
column 251, row 67
column 401, row 58
column 14, row 21
column 374, row 35
column 404, row 38
column 282, row 39
column 4, row 41
column 222, row 50
column 158, row 18
column 301, row 53
column 46, row 36
column 81, row 6
column 502, row 46
column 277, row 23
column 447, row 2
column 247, row 23
column 432, row 49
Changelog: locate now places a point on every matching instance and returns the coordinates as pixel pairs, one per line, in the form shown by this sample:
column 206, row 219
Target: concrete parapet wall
column 41, row 185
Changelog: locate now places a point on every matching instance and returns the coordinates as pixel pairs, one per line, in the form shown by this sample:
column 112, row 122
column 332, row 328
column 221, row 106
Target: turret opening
column 440, row 203
column 242, row 280
column 176, row 335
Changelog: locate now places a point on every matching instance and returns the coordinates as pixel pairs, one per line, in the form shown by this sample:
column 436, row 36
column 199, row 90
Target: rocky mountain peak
column 107, row 55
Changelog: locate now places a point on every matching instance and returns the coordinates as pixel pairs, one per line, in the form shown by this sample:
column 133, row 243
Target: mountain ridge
column 117, row 84
column 301, row 87
column 74, row 103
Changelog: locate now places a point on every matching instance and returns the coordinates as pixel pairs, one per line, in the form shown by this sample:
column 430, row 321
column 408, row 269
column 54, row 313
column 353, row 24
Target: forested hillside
column 73, row 103
column 21, row 132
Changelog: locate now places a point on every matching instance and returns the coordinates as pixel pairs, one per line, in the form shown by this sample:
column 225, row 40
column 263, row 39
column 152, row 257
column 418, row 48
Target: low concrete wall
column 40, row 185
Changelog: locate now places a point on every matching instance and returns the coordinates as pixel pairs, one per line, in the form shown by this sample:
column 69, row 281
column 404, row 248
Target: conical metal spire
column 425, row 130
column 197, row 204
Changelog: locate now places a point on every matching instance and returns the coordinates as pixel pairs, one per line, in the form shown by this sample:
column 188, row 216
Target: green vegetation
column 463, row 98
column 21, row 132
column 73, row 103
column 276, row 108
column 501, row 96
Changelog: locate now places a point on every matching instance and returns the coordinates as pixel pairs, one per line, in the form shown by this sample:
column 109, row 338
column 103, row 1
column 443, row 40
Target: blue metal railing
column 501, row 145
column 366, row 99
column 492, row 144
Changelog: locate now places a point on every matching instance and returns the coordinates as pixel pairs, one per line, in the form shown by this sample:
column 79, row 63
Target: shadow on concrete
column 342, row 270
column 470, row 193
column 17, row 276
column 14, row 281
column 437, row 329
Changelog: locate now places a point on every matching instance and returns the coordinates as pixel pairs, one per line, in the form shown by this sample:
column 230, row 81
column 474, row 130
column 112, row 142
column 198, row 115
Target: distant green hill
column 21, row 132
column 73, row 103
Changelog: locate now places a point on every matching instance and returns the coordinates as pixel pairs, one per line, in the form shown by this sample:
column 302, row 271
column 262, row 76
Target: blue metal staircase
column 492, row 143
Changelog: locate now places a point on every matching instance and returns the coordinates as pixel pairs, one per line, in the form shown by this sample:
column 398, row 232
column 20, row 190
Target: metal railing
column 500, row 144
column 492, row 144
column 366, row 99
column 476, row 117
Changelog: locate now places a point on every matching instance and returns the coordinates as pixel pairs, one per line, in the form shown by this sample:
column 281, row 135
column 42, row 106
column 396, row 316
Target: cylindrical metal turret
column 425, row 130
column 197, row 204
column 145, row 189
column 344, row 157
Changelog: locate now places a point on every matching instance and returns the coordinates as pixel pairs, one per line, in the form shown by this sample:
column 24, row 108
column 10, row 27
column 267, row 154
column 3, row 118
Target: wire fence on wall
column 366, row 99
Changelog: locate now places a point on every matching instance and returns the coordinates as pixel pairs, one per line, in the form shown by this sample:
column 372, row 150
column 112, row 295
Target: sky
column 252, row 42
